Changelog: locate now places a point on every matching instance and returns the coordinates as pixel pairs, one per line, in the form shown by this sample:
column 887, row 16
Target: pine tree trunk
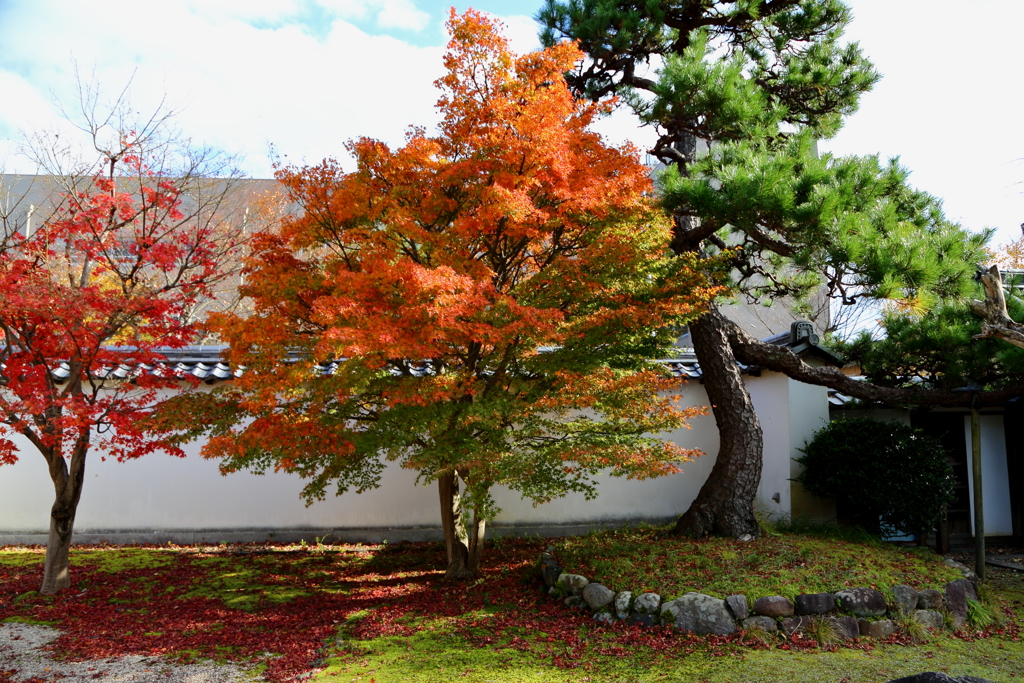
column 463, row 550
column 67, row 484
column 725, row 504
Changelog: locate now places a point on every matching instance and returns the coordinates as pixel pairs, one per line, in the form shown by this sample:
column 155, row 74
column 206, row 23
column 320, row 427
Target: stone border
column 851, row 612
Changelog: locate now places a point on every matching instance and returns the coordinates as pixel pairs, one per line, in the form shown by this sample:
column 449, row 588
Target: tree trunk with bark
column 67, row 484
column 464, row 546
column 725, row 504
column 996, row 322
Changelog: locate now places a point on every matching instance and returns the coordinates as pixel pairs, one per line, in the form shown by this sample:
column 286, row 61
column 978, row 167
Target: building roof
column 204, row 362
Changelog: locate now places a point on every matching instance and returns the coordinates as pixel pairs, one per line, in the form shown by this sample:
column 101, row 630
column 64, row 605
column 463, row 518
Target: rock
column 621, row 604
column 929, row 599
column 861, row 602
column 699, row 613
column 906, row 598
column 964, row 569
column 644, row 620
column 549, row 572
column 573, row 583
column 773, row 606
column 604, row 618
column 737, row 604
column 744, row 538
column 573, row 601
column 597, row 596
column 934, row 677
column 763, row 623
column 815, row 603
column 883, row 628
column 791, row 625
column 647, row 603
column 957, row 593
column 845, row 627
column 930, row 618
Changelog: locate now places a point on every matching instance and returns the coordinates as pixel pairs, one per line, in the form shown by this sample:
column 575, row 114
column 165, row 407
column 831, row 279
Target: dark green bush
column 893, row 478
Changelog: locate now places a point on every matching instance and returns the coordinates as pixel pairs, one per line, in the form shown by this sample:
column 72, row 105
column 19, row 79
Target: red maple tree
column 496, row 292
column 88, row 299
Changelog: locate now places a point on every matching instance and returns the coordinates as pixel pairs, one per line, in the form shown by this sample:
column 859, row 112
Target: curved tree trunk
column 464, row 548
column 725, row 504
column 67, row 484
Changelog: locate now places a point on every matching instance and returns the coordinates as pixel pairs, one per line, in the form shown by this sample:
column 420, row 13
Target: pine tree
column 760, row 81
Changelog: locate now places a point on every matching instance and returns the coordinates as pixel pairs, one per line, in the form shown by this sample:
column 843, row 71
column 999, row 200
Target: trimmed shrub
column 889, row 477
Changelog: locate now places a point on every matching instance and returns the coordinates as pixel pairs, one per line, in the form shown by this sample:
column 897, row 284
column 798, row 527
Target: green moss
column 782, row 564
column 29, row 620
column 241, row 586
column 438, row 656
column 113, row 560
column 21, row 558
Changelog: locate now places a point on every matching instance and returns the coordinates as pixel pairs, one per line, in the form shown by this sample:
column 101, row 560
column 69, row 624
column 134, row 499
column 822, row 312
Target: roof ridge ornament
column 802, row 331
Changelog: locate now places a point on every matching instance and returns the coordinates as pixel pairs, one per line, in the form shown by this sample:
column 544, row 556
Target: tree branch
column 996, row 322
column 751, row 351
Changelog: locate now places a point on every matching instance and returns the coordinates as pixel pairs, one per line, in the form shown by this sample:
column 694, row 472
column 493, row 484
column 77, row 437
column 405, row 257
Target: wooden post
column 942, row 534
column 979, row 501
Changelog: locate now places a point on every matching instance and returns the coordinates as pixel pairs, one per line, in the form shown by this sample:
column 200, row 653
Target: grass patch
column 788, row 564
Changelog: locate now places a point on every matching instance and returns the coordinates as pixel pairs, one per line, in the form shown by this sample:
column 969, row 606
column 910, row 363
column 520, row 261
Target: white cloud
column 521, row 32
column 402, row 14
column 244, row 10
column 240, row 86
column 349, row 9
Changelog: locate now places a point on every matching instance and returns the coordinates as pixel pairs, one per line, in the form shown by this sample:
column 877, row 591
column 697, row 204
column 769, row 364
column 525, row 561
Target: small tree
column 88, row 297
column 885, row 476
column 495, row 292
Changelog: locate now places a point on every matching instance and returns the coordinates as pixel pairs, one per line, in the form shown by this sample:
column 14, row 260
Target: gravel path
column 22, row 659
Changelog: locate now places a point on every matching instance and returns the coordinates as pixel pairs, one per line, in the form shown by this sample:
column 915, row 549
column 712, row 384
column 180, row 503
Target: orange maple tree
column 488, row 300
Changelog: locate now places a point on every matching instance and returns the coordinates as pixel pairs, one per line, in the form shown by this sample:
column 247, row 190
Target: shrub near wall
column 885, row 476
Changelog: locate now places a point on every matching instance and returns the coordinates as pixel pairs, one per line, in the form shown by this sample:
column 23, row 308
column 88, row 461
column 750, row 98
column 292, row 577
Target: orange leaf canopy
column 496, row 291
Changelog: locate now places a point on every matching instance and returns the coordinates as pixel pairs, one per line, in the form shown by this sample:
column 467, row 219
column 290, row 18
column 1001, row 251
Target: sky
column 306, row 75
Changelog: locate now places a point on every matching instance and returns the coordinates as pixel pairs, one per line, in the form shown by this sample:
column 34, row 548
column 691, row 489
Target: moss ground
column 645, row 559
column 385, row 614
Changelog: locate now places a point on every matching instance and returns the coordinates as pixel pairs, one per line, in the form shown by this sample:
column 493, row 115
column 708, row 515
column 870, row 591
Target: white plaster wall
column 623, row 499
column 770, row 395
column 808, row 412
column 995, row 478
column 159, row 492
column 162, row 492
